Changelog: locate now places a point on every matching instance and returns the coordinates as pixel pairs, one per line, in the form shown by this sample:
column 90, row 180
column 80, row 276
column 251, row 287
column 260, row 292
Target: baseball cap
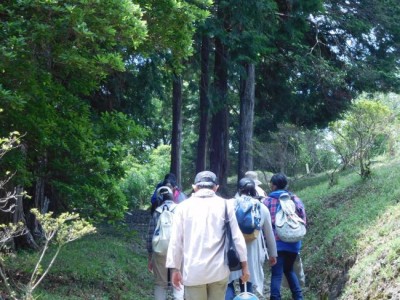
column 206, row 178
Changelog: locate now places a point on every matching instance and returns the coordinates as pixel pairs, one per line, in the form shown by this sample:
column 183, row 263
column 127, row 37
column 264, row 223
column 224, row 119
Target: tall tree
column 219, row 135
column 247, row 87
column 176, row 143
column 60, row 55
column 201, row 159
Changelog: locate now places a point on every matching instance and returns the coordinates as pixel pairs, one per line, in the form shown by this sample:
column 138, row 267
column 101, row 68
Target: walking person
column 287, row 252
column 256, row 249
column 254, row 176
column 156, row 261
column 196, row 251
column 170, row 181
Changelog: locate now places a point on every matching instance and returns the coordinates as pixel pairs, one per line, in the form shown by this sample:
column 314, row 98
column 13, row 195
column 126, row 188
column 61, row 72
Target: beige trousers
column 161, row 280
column 211, row 291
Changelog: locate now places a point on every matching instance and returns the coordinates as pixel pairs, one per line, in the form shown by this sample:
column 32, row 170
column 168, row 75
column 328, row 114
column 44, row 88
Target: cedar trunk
column 220, row 121
column 176, row 143
column 247, row 87
column 201, row 160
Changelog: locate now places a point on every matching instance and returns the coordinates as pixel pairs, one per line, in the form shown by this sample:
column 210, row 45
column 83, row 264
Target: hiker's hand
column 177, row 279
column 150, row 266
column 272, row 260
column 245, row 274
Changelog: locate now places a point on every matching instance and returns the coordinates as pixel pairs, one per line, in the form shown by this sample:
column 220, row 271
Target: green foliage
column 361, row 133
column 65, row 228
column 61, row 230
column 142, row 178
column 290, row 149
column 58, row 53
column 171, row 25
column 54, row 58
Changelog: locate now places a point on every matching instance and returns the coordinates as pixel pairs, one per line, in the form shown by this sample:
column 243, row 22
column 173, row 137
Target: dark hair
column 279, row 180
column 247, row 186
column 170, row 182
column 170, row 176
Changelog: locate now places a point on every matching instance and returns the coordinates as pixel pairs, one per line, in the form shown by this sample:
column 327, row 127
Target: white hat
column 253, row 175
column 164, row 190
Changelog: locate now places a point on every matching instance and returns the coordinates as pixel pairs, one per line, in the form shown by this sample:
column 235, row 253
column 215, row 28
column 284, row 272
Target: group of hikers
column 193, row 256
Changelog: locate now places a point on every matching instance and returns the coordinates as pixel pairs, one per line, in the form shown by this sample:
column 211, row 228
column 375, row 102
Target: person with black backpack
column 255, row 223
column 287, row 251
column 157, row 244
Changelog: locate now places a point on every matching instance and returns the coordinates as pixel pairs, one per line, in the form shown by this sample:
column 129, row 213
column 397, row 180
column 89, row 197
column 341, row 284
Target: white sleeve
column 268, row 232
column 175, row 247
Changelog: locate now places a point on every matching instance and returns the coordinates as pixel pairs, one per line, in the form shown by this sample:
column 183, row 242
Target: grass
column 106, row 265
column 351, row 251
column 345, row 230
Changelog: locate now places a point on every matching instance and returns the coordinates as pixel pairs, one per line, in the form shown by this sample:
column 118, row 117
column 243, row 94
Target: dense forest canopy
column 104, row 91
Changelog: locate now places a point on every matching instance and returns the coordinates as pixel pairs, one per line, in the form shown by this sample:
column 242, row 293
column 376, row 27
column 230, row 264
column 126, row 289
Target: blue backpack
column 248, row 215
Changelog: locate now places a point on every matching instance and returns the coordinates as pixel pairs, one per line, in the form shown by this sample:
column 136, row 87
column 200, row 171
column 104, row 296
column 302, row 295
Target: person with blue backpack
column 287, row 251
column 255, row 223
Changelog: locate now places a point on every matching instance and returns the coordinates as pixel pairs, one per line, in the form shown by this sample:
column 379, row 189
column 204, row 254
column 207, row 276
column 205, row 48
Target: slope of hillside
column 353, row 243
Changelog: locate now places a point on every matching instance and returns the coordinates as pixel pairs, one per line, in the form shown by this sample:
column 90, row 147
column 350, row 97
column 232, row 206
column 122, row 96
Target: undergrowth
column 347, row 225
column 110, row 264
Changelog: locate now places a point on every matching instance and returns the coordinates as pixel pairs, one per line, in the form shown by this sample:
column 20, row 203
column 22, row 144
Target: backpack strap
column 285, row 205
column 264, row 246
column 170, row 207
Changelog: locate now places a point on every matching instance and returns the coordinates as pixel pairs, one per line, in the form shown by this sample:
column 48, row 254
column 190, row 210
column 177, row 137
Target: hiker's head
column 164, row 193
column 205, row 180
column 254, row 176
column 278, row 182
column 170, row 179
column 169, row 183
column 247, row 186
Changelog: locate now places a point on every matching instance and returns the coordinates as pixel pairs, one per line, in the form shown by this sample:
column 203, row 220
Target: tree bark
column 176, row 143
column 247, row 87
column 201, row 160
column 220, row 120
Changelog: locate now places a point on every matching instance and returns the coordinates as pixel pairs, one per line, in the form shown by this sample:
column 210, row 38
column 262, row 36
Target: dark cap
column 247, row 186
column 206, row 178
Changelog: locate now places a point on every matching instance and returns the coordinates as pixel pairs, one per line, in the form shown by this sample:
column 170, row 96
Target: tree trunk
column 176, row 143
column 247, row 86
column 201, row 160
column 219, row 121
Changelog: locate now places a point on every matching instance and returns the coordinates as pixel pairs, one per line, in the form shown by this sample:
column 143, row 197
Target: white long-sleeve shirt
column 198, row 238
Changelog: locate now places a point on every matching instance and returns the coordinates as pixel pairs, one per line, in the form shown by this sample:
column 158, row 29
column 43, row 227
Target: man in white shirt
column 196, row 250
